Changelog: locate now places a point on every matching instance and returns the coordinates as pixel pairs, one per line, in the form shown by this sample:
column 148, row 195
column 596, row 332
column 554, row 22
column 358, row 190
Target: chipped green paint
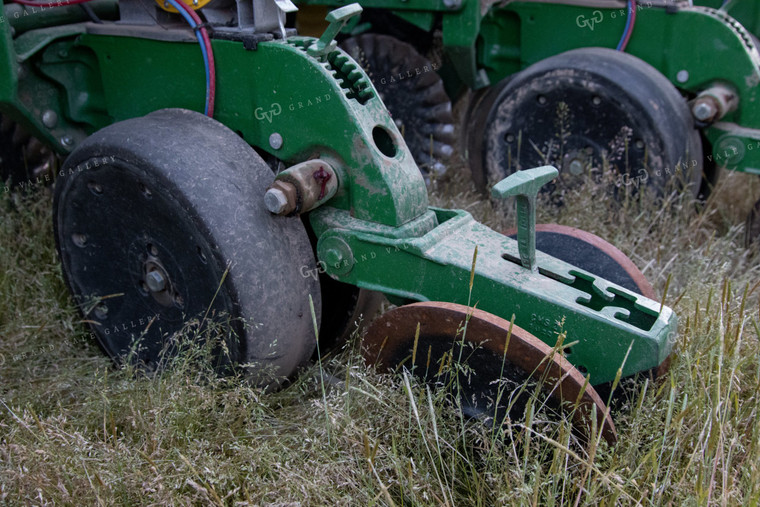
column 431, row 260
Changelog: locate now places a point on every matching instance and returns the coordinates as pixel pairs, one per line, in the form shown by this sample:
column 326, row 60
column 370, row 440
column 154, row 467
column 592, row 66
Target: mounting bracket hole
column 384, row 142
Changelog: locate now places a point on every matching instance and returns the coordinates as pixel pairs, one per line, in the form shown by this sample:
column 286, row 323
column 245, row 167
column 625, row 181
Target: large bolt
column 704, row 110
column 280, row 199
column 155, row 281
column 276, row 201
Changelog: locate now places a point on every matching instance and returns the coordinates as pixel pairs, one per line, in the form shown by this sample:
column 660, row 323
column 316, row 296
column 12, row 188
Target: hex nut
column 155, row 281
column 281, row 198
column 704, row 110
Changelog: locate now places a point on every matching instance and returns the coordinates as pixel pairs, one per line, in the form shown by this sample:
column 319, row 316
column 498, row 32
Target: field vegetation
column 75, row 430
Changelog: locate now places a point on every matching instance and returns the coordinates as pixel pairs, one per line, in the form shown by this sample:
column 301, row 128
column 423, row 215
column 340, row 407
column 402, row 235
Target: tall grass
column 76, row 430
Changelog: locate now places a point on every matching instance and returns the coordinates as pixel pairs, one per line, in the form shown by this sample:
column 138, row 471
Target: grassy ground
column 75, row 430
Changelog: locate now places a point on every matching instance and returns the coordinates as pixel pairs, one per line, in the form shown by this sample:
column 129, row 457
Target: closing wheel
column 149, row 214
column 491, row 380
column 583, row 109
column 591, row 253
column 413, row 92
column 23, row 158
column 752, row 237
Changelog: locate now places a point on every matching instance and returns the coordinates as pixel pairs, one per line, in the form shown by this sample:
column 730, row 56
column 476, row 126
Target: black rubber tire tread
column 636, row 86
column 214, row 182
column 418, row 102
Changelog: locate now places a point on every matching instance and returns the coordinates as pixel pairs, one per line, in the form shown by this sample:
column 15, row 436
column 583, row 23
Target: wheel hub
column 158, row 284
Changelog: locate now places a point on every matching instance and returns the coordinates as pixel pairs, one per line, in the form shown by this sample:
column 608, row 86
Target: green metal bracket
column 524, row 185
column 337, row 19
column 430, row 259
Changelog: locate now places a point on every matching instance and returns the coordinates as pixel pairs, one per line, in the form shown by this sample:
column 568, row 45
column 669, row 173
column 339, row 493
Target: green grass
column 75, row 430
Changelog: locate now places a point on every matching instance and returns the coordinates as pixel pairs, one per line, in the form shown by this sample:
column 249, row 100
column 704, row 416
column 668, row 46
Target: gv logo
column 582, row 21
column 261, row 114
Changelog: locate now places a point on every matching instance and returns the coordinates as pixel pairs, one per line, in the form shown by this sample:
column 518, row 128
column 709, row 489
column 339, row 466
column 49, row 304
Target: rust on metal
column 392, row 340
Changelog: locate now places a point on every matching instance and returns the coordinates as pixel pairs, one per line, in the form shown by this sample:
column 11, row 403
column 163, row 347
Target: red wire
column 633, row 22
column 209, row 52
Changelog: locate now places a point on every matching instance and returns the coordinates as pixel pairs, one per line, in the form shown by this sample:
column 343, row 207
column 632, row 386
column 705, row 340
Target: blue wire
column 627, row 25
column 194, row 25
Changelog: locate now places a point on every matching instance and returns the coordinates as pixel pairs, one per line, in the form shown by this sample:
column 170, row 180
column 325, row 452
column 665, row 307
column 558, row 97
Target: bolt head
column 276, row 201
column 155, row 281
column 682, row 76
column 275, row 141
column 576, row 167
column 49, row 119
column 333, row 257
column 703, row 111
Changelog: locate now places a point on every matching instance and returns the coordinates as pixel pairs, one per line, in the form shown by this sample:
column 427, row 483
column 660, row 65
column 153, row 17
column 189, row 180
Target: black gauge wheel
column 160, row 221
column 583, row 111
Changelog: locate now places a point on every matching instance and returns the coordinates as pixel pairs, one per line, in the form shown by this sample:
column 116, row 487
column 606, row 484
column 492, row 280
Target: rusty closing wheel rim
column 389, row 343
column 591, row 253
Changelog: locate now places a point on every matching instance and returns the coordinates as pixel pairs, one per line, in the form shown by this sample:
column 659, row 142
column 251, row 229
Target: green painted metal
column 276, row 89
column 432, row 261
column 24, row 18
column 377, row 232
column 746, row 12
column 337, row 19
column 8, row 67
column 524, row 186
column 485, row 46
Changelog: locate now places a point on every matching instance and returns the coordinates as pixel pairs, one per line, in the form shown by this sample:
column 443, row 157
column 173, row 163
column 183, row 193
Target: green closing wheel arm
column 431, row 259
